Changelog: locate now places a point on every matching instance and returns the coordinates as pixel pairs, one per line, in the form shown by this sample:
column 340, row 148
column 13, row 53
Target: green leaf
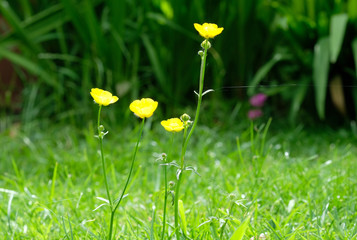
column 15, row 22
column 78, row 21
column 311, row 9
column 298, row 6
column 117, row 16
column 38, row 25
column 93, row 27
column 320, row 74
column 30, row 66
column 183, row 217
column 352, row 9
column 263, row 71
column 292, row 237
column 354, row 51
column 26, row 7
column 54, row 177
column 298, row 98
column 155, row 62
column 240, row 231
column 337, row 33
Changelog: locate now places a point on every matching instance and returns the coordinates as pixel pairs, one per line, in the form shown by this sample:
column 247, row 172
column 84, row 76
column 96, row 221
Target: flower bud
column 185, row 117
column 206, row 44
column 200, row 53
column 171, row 184
column 101, row 128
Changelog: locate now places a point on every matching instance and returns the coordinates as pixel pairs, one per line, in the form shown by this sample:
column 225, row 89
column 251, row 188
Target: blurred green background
column 301, row 53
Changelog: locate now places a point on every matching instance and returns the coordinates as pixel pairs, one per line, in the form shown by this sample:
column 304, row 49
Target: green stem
column 202, row 78
column 165, row 179
column 252, row 137
column 187, row 139
column 164, row 217
column 111, row 224
column 105, row 172
column 127, row 180
column 226, row 221
column 177, row 191
column 100, row 136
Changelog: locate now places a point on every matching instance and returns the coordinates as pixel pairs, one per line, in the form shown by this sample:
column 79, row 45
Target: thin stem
column 100, row 136
column 252, row 137
column 177, row 191
column 105, row 172
column 164, row 217
column 187, row 139
column 127, row 180
column 202, row 78
column 225, row 222
column 165, row 179
column 98, row 122
column 111, row 224
column 183, row 149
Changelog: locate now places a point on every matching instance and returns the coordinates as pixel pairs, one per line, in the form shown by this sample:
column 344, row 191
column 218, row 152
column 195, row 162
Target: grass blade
column 320, row 74
column 183, row 217
column 240, row 231
column 54, row 177
column 337, row 33
column 15, row 23
column 298, row 99
column 354, row 51
column 263, row 71
column 25, row 6
column 64, row 228
column 152, row 223
column 30, row 66
column 155, row 62
column 265, row 132
column 78, row 22
column 96, row 34
column 352, row 9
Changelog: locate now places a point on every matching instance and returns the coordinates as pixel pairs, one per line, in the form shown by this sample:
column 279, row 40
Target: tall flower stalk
column 206, row 30
column 116, row 205
column 165, row 199
column 103, row 98
column 143, row 108
column 171, row 125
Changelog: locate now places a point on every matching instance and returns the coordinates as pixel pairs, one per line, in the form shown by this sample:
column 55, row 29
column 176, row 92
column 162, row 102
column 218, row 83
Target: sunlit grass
column 305, row 188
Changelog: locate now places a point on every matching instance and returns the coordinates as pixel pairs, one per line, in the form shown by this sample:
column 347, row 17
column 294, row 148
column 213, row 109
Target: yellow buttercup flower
column 143, row 108
column 173, row 125
column 103, row 97
column 208, row 30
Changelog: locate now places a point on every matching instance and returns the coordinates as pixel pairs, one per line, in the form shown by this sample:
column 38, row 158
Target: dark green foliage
column 148, row 48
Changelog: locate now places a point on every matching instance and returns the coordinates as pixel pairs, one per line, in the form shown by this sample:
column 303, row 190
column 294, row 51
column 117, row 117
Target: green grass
column 302, row 186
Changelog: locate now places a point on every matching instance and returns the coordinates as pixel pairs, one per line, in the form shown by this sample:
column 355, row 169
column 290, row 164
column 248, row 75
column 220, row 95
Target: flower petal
column 208, row 30
column 103, row 97
column 143, row 108
column 173, row 125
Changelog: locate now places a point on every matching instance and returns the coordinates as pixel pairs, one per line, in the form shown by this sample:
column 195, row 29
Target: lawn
column 290, row 184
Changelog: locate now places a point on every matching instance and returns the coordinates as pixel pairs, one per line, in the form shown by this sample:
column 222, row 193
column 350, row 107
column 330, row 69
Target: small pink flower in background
column 254, row 114
column 258, row 100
